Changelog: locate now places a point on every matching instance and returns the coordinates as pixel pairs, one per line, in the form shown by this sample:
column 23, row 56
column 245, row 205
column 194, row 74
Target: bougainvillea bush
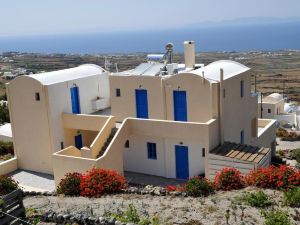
column 282, row 177
column 70, row 185
column 7, row 185
column 93, row 183
column 229, row 179
column 96, row 182
column 199, row 186
column 177, row 188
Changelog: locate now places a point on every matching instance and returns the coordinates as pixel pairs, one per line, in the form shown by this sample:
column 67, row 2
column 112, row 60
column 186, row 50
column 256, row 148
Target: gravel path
column 170, row 209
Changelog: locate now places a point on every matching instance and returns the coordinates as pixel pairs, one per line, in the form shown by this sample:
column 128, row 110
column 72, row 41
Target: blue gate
column 141, row 104
column 75, row 100
column 182, row 162
column 180, row 106
column 78, row 141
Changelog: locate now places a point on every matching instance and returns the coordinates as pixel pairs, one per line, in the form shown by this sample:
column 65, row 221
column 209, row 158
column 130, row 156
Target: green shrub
column 199, row 186
column 257, row 199
column 6, row 147
column 70, row 185
column 277, row 218
column 131, row 216
column 296, row 154
column 6, row 157
column 7, row 185
column 292, row 197
column 4, row 114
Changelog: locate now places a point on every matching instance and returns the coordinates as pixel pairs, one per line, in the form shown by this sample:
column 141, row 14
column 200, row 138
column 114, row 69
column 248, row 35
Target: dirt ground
column 170, row 209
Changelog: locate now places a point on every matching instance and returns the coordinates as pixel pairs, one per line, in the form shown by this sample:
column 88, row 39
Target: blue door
column 75, row 100
column 78, row 141
column 180, row 106
column 141, row 104
column 182, row 162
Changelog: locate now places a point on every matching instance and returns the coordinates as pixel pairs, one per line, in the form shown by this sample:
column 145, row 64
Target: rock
column 59, row 218
column 184, row 194
column 144, row 192
column 66, row 217
column 102, row 220
column 111, row 221
column 118, row 222
column 92, row 220
column 77, row 218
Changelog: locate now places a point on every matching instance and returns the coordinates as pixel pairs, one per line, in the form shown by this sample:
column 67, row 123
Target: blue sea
column 215, row 38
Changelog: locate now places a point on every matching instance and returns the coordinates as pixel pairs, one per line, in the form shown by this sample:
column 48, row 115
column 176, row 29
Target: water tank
column 155, row 57
column 189, row 54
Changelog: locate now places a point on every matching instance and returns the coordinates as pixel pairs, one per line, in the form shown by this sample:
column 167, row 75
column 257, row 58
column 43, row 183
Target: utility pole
column 261, row 107
column 255, row 84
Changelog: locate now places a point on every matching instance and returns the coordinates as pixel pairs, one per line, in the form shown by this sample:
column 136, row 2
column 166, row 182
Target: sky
column 50, row 17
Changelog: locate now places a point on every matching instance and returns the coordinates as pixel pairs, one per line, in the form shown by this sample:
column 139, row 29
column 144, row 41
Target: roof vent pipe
column 189, row 54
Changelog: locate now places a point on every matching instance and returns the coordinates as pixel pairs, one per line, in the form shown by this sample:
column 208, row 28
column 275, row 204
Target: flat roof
column 212, row 70
column 242, row 152
column 58, row 76
column 145, row 69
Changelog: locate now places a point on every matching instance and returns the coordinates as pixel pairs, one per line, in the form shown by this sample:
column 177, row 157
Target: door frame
column 176, row 107
column 186, row 161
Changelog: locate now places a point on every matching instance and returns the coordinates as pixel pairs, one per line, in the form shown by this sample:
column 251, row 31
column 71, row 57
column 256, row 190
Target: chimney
column 221, row 105
column 189, row 54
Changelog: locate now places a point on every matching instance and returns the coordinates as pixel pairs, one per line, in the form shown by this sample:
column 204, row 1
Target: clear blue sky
column 27, row 17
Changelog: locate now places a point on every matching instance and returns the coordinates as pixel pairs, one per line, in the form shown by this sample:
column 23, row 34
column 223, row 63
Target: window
column 269, row 110
column 127, row 144
column 118, row 92
column 242, row 137
column 242, row 88
column 151, row 150
column 203, row 152
column 62, row 145
column 224, row 94
column 37, row 96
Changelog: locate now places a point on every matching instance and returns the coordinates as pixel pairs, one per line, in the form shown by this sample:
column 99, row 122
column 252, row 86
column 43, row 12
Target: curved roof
column 58, row 76
column 212, row 70
column 276, row 96
column 273, row 98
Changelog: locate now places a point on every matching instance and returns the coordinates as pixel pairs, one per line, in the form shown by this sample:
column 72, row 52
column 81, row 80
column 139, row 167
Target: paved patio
column 144, row 179
column 33, row 181
column 40, row 182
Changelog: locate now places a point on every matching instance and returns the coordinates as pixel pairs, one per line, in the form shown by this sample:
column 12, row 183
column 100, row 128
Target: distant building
column 274, row 106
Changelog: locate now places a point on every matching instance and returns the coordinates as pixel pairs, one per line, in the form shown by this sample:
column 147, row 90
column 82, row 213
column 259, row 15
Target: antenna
column 169, row 53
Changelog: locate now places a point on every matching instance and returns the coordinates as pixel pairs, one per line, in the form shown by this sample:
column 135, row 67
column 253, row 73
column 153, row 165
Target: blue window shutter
column 151, row 148
column 118, row 92
column 242, row 88
column 242, row 137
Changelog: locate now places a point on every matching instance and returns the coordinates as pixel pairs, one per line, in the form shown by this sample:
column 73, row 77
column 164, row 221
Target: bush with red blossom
column 229, row 179
column 177, row 188
column 96, row 182
column 282, row 177
column 70, row 184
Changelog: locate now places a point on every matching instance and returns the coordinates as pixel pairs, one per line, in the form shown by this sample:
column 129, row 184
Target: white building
column 36, row 104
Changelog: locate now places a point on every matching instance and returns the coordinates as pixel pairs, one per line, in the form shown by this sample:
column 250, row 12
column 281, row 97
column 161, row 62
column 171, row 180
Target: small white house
column 36, row 104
